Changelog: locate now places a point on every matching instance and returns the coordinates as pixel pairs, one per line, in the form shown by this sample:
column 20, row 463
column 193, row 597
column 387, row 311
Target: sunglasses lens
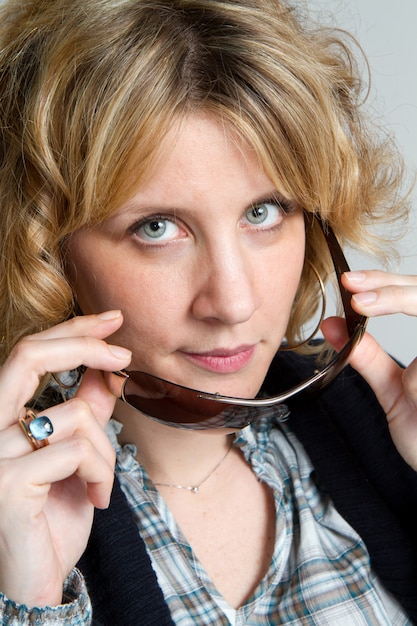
column 187, row 408
column 180, row 406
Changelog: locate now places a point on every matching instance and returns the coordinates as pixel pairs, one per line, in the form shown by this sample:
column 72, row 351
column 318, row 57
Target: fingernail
column 119, row 352
column 109, row 315
column 368, row 297
column 355, row 277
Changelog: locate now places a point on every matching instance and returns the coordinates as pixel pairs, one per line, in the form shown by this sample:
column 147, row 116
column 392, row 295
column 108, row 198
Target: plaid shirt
column 320, row 571
column 319, row 574
column 76, row 612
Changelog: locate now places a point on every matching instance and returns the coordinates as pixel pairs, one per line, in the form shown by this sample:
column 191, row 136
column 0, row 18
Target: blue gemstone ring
column 37, row 429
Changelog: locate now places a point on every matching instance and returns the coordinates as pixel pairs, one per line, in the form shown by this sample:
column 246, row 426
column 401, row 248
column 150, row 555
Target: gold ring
column 37, row 428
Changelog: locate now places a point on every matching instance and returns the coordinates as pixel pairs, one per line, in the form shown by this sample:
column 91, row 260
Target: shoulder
column 345, row 415
column 345, row 433
column 288, row 369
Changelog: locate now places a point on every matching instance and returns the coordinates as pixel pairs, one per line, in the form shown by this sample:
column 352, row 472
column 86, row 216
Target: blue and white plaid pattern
column 77, row 612
column 320, row 571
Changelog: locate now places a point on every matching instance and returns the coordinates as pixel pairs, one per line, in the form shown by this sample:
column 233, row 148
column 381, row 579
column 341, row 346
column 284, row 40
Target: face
column 204, row 261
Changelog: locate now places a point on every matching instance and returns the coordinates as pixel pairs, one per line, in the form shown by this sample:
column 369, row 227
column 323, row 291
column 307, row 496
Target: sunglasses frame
column 355, row 323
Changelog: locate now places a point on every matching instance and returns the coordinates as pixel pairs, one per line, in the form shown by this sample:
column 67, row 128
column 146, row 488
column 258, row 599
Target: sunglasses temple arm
column 341, row 266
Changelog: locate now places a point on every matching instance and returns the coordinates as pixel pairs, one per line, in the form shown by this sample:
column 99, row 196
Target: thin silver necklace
column 196, row 488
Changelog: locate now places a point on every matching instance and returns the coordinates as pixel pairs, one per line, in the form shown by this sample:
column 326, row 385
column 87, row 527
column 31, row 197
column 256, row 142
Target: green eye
column 257, row 214
column 155, row 229
column 266, row 214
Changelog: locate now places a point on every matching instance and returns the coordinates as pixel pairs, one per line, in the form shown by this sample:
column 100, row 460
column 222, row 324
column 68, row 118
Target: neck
column 171, row 455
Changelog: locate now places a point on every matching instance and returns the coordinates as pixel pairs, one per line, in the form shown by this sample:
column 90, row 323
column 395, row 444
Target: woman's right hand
column 47, row 496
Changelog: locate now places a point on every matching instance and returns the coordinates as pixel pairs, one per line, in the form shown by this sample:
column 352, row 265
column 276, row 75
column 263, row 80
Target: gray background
column 386, row 31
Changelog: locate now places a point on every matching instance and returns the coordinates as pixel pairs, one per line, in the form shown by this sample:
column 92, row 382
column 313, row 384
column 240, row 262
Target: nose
column 226, row 287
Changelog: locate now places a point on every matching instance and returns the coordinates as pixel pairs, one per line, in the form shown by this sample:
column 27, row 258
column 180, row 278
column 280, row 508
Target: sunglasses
column 182, row 407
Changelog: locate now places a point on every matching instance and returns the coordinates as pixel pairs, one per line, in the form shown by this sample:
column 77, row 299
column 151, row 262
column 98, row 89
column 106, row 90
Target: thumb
column 380, row 371
column 94, row 390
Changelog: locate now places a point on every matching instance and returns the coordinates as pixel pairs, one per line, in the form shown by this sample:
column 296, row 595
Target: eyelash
column 284, row 206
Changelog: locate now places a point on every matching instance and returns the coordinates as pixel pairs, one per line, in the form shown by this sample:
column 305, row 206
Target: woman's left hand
column 378, row 293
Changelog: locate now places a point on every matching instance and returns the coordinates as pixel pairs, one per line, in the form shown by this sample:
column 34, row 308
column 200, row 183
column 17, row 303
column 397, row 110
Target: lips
column 223, row 360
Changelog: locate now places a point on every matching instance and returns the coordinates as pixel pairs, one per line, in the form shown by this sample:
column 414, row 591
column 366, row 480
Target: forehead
column 200, row 156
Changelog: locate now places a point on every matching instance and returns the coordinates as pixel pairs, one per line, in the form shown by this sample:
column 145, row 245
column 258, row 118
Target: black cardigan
column 344, row 431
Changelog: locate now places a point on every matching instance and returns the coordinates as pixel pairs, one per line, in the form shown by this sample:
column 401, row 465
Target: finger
column 78, row 457
column 70, row 419
column 402, row 418
column 373, row 279
column 114, row 382
column 410, row 383
column 394, row 387
column 97, row 394
column 32, row 359
column 99, row 326
column 381, row 372
column 380, row 293
column 28, row 478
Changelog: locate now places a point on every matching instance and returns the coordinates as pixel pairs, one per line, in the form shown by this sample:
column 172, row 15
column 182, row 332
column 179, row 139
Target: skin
column 199, row 310
column 209, row 276
column 206, row 291
column 378, row 293
column 47, row 513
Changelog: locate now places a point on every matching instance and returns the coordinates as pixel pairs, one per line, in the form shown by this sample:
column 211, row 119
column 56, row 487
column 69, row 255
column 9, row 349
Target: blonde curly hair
column 88, row 89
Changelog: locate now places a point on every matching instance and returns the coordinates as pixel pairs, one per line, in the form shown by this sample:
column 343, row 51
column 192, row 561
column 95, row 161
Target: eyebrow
column 134, row 207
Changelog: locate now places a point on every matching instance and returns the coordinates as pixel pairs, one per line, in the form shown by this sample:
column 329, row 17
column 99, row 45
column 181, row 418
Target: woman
column 161, row 166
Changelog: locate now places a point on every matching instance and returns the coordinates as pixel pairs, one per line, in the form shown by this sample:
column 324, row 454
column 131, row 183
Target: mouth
column 222, row 360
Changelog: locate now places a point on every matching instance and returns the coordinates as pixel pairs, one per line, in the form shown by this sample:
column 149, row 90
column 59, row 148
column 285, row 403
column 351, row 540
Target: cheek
column 281, row 283
column 278, row 302
column 103, row 280
column 150, row 299
column 151, row 310
column 89, row 272
column 93, row 288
